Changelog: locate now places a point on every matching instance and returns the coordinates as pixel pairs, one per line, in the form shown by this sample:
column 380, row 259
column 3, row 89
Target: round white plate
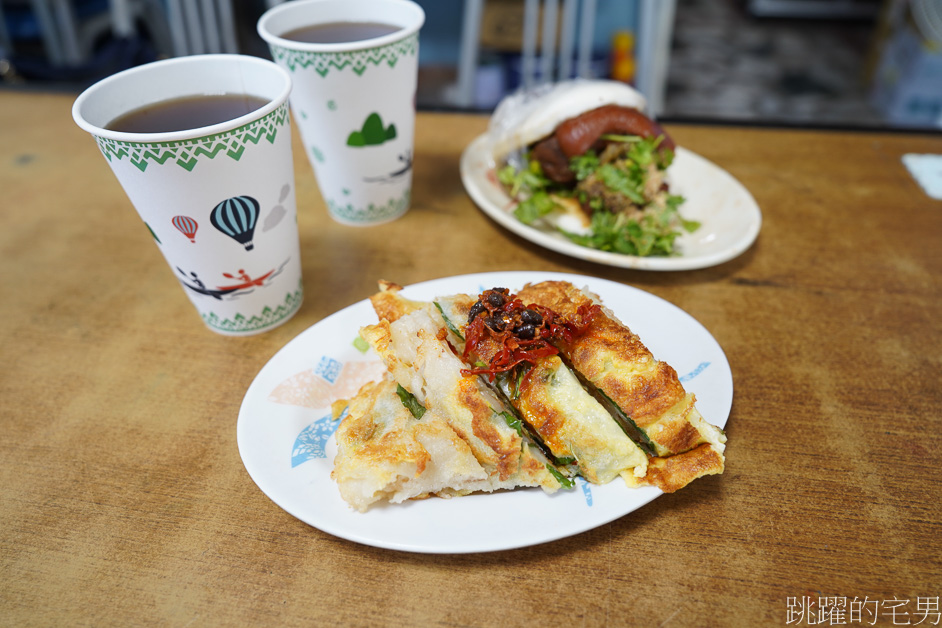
column 286, row 441
column 729, row 216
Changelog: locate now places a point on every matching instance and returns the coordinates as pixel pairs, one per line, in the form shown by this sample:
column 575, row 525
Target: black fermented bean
column 532, row 317
column 496, row 299
column 526, row 332
column 476, row 309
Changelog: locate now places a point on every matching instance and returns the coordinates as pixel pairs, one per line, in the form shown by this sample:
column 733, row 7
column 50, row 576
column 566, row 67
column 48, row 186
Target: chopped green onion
column 451, row 326
column 562, row 479
column 361, row 345
column 518, row 383
column 513, row 421
column 410, row 402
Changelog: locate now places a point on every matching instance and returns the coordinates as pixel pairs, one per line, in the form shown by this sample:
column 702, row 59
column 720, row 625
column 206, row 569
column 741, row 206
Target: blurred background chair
column 811, row 61
column 201, row 26
column 557, row 44
column 70, row 31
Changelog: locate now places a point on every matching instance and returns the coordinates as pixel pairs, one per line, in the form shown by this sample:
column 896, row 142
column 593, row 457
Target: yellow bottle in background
column 623, row 57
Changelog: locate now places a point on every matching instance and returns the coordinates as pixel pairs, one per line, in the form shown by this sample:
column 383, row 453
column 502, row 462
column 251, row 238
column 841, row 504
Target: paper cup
column 353, row 102
column 219, row 200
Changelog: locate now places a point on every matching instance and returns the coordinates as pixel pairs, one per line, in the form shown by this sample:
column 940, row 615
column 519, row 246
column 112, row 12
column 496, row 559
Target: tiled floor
column 726, row 64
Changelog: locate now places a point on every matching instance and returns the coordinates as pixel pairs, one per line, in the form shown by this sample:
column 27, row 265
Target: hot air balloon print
column 236, row 217
column 186, row 225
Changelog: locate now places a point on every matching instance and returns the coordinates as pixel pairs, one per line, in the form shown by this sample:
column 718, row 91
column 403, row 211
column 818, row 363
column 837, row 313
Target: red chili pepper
column 506, row 312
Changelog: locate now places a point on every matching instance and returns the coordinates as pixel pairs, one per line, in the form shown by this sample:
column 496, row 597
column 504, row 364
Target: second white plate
column 729, row 216
column 285, row 431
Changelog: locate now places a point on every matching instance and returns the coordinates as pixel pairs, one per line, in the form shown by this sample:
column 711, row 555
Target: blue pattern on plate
column 329, row 369
column 689, row 376
column 312, row 441
column 586, row 490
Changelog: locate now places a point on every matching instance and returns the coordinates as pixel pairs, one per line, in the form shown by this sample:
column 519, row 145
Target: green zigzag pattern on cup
column 357, row 60
column 187, row 153
column 268, row 318
column 371, row 213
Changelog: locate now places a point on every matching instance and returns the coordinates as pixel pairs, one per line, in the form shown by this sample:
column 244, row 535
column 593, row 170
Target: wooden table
column 123, row 499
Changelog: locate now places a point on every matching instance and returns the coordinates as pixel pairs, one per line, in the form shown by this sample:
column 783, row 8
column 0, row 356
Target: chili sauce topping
column 523, row 333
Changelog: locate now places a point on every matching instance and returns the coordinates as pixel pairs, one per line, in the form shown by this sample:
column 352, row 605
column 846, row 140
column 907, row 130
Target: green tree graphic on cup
column 373, row 133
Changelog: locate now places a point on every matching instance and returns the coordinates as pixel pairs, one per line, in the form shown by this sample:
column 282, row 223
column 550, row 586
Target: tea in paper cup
column 217, row 199
column 353, row 101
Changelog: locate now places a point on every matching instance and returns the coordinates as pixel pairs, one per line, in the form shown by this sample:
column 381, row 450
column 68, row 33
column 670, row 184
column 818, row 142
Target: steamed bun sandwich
column 583, row 158
column 502, row 391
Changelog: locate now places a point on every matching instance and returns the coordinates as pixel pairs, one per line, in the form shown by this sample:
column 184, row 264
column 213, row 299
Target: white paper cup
column 353, row 102
column 219, row 200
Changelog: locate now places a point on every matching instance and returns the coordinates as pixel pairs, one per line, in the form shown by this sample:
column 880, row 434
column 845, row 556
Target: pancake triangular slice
column 550, row 399
column 387, row 453
column 647, row 391
column 415, row 350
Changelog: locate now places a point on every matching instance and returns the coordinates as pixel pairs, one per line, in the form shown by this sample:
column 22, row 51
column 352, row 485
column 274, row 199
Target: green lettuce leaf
column 531, row 209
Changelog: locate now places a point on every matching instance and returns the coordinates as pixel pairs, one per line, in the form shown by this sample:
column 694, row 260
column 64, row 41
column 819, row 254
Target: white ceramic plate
column 729, row 216
column 285, row 433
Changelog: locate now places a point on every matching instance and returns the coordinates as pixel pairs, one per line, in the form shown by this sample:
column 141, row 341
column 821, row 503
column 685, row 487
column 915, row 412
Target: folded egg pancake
column 647, row 391
column 671, row 473
column 551, row 400
column 384, row 452
column 506, row 390
column 418, row 357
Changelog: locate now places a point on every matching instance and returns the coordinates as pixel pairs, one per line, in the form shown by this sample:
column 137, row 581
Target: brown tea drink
column 181, row 114
column 339, row 32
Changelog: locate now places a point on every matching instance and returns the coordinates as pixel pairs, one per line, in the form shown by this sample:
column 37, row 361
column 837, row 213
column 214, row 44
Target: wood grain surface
column 123, row 500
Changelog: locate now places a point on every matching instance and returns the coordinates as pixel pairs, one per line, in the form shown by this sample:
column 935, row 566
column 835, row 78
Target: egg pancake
column 415, row 351
column 550, row 399
column 385, row 453
column 613, row 359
